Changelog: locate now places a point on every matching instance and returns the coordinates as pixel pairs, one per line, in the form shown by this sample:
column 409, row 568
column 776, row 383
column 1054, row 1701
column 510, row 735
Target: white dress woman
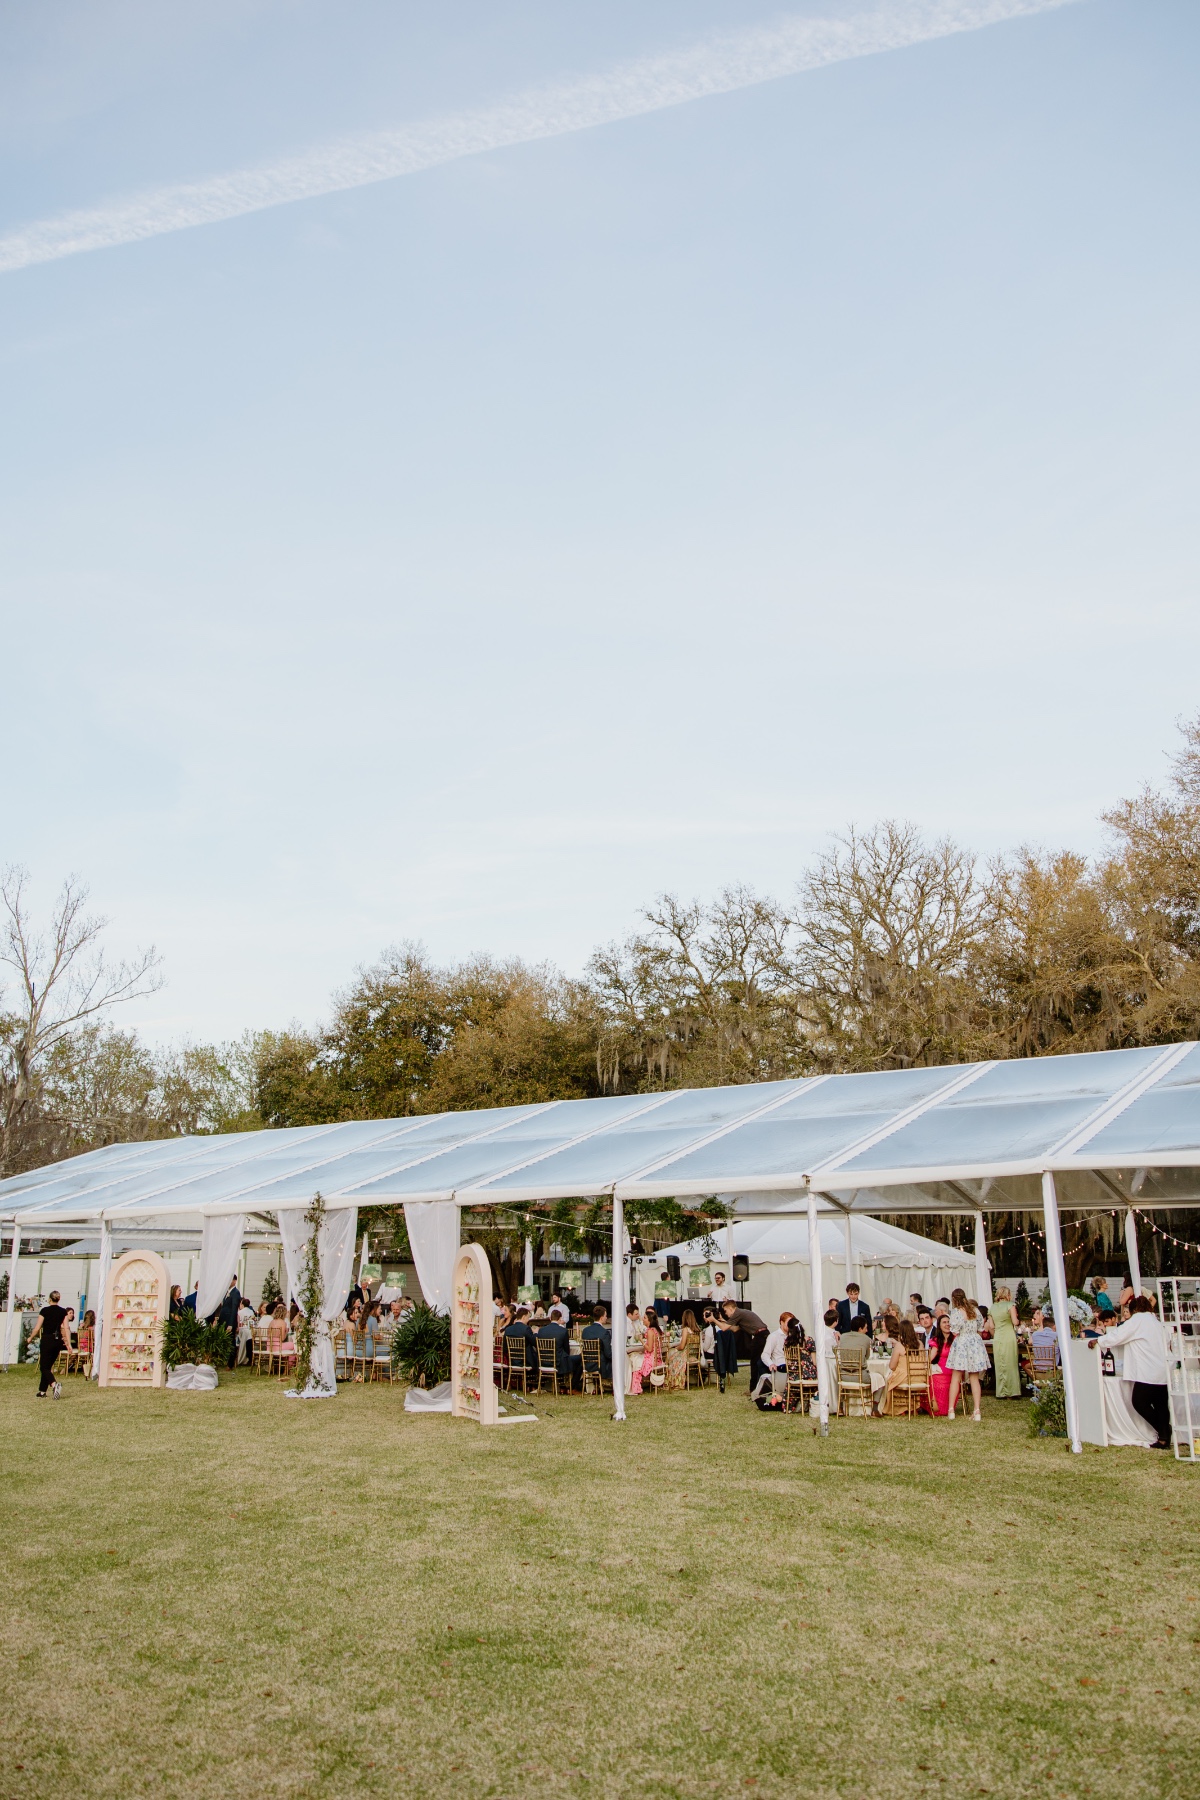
column 968, row 1353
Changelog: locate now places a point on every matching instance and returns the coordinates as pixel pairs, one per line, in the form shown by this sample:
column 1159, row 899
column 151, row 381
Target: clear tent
column 1102, row 1130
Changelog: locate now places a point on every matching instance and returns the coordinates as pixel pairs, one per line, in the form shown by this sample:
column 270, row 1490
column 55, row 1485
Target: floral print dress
column 968, row 1352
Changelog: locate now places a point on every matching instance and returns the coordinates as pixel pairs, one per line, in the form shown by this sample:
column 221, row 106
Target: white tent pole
column 1056, row 1268
column 12, row 1294
column 819, row 1338
column 529, row 1261
column 101, row 1293
column 851, row 1265
column 983, row 1271
column 620, row 1300
column 1131, row 1250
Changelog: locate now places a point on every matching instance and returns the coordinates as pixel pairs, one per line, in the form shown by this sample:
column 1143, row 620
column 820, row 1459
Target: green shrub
column 187, row 1339
column 421, row 1347
column 1048, row 1414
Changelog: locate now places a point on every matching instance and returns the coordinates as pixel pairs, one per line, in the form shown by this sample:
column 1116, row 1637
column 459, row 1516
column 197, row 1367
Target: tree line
column 894, row 952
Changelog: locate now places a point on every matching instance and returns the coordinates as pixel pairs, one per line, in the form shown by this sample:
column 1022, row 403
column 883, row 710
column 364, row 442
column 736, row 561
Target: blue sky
column 471, row 556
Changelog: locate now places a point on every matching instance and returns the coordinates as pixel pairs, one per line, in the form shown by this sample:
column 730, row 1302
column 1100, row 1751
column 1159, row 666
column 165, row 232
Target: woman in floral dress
column 968, row 1352
column 652, row 1353
column 678, row 1353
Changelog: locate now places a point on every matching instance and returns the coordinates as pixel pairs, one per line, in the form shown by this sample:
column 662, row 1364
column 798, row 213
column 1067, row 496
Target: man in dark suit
column 599, row 1328
column 852, row 1309
column 228, row 1312
column 567, row 1366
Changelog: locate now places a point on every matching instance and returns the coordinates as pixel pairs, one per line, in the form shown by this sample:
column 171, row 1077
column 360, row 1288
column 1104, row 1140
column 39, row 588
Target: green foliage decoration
column 1048, row 1414
column 272, row 1293
column 421, row 1347
column 311, row 1295
column 187, row 1339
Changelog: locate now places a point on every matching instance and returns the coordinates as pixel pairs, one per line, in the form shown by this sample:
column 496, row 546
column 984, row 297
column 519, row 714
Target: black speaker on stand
column 741, row 1273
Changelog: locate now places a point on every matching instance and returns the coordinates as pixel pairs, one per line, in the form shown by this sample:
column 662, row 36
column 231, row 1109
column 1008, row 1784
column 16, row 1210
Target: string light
column 1179, row 1243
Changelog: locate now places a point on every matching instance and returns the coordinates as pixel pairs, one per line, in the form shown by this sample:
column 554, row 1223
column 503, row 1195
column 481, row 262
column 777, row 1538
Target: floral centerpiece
column 1079, row 1314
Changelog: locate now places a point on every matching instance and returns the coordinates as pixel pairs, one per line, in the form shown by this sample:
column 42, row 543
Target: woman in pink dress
column 652, row 1352
column 940, row 1372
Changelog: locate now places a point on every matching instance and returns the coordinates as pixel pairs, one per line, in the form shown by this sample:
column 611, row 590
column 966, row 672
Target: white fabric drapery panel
column 101, row 1294
column 983, row 1268
column 433, row 1229
column 220, row 1246
column 335, row 1254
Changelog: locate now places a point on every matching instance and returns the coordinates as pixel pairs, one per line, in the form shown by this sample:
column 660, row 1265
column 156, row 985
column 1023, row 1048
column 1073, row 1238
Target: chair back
column 589, row 1349
column 547, row 1353
column 517, row 1357
column 277, row 1334
column 1045, row 1358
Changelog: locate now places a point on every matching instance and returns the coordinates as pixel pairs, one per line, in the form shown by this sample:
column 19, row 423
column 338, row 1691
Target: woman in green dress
column 1004, row 1346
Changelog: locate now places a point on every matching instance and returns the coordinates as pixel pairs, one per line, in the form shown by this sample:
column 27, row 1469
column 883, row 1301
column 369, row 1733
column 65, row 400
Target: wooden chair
column 276, row 1339
column 520, row 1364
column 693, row 1364
column 799, row 1387
column 657, row 1367
column 362, row 1356
column 911, row 1392
column 79, row 1358
column 854, row 1390
column 381, row 1362
column 258, row 1352
column 547, row 1369
column 594, row 1377
column 1043, row 1360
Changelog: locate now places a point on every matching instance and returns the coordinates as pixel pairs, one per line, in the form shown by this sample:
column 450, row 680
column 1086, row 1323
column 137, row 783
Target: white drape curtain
column 220, row 1246
column 335, row 1254
column 433, row 1233
column 983, row 1268
column 102, row 1279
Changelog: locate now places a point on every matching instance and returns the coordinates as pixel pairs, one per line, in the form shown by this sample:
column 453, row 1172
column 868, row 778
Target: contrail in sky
column 717, row 65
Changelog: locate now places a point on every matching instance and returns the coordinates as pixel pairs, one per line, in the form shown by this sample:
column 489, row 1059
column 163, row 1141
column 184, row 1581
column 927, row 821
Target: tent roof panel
column 894, row 1139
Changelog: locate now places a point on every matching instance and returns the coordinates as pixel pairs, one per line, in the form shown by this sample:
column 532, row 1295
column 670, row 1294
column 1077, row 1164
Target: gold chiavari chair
column 594, row 1377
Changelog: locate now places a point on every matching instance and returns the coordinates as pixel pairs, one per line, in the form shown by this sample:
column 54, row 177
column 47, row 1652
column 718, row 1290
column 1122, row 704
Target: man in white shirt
column 557, row 1310
column 1145, row 1365
column 774, row 1361
column 720, row 1291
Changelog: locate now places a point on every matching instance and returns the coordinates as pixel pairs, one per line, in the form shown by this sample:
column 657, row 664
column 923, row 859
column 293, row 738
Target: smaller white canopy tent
column 886, row 1262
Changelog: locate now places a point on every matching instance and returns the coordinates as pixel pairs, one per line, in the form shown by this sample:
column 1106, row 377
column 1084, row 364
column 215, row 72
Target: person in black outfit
column 599, row 1329
column 227, row 1313
column 176, row 1301
column 51, row 1329
column 752, row 1332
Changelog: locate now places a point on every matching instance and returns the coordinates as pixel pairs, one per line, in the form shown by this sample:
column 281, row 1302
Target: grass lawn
column 235, row 1594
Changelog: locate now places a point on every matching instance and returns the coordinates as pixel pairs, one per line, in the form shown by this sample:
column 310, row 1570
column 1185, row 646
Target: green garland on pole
column 311, row 1295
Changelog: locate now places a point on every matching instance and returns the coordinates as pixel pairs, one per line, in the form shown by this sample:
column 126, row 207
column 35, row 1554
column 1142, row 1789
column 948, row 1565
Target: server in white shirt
column 774, row 1361
column 1145, row 1365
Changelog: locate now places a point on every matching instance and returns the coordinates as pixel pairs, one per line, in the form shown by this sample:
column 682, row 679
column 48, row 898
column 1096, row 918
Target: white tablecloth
column 1122, row 1425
